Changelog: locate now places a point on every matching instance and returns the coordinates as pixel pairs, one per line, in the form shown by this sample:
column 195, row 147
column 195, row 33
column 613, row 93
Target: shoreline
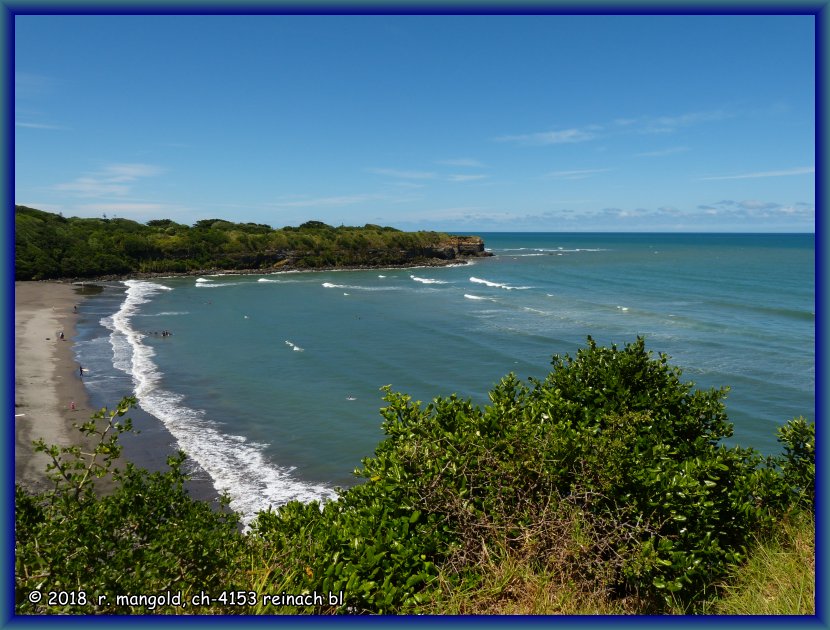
column 47, row 383
column 145, row 275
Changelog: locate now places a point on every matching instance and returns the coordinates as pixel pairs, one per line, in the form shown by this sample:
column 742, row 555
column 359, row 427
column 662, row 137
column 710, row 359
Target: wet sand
column 47, row 382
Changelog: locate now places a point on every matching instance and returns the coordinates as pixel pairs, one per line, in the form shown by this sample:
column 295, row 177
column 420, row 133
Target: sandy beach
column 47, row 383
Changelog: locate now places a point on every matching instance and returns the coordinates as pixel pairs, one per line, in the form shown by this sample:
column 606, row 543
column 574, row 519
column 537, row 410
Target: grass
column 778, row 578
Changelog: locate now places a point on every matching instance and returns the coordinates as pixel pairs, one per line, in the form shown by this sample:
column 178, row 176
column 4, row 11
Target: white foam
column 470, row 296
column 202, row 280
column 236, row 465
column 546, row 250
column 212, row 285
column 427, row 280
column 267, row 280
column 294, row 346
column 354, row 287
column 499, row 285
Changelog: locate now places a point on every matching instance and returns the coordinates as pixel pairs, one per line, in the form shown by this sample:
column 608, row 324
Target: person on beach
column 80, row 371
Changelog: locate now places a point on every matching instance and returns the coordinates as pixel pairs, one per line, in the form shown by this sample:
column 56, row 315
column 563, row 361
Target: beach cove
column 50, row 393
column 270, row 382
column 47, row 380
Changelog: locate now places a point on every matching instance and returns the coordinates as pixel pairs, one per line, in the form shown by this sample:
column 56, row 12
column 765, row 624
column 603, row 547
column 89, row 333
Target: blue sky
column 463, row 123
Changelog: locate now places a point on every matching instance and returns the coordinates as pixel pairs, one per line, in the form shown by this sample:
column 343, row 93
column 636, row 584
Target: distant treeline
column 49, row 245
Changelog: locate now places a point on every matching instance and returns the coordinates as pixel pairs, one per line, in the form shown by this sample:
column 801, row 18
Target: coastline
column 148, row 275
column 48, row 381
column 46, row 376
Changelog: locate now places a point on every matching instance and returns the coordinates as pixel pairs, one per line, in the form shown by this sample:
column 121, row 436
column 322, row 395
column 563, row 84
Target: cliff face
column 454, row 248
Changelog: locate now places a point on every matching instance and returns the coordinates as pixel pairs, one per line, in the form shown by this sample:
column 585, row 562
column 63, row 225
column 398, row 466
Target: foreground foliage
column 607, row 478
column 147, row 536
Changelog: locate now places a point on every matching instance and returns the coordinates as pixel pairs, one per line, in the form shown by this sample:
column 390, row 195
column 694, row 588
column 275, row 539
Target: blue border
column 10, row 8
column 822, row 28
column 422, row 7
column 7, row 371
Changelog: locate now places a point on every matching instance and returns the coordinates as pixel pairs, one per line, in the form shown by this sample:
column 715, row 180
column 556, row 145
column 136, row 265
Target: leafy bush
column 798, row 463
column 145, row 537
column 608, row 473
column 609, row 470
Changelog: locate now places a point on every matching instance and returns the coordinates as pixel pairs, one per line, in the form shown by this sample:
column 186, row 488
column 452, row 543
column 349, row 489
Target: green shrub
column 798, row 463
column 608, row 473
column 147, row 536
column 611, row 468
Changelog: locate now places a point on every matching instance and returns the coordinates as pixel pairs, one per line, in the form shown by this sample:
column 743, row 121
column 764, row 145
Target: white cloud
column 552, row 137
column 391, row 172
column 754, row 204
column 32, row 86
column 465, row 178
column 753, row 209
column 629, row 214
column 28, row 125
column 801, row 170
column 576, row 174
column 408, row 185
column 337, row 200
column 93, row 187
column 423, row 175
column 662, row 152
column 114, row 180
column 459, row 215
column 465, row 162
column 668, row 124
column 130, row 172
column 640, row 125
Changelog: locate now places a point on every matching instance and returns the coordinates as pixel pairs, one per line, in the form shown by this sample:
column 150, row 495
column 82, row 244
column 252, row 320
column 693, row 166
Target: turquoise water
column 271, row 382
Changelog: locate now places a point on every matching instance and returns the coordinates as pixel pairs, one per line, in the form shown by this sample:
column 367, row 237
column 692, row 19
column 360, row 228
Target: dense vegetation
column 607, row 480
column 49, row 245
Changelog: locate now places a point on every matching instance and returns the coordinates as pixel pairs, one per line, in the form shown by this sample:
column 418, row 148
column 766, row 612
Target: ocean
column 271, row 383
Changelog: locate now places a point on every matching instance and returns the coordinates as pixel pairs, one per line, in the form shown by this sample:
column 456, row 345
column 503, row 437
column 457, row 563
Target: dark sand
column 46, row 378
column 47, row 382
